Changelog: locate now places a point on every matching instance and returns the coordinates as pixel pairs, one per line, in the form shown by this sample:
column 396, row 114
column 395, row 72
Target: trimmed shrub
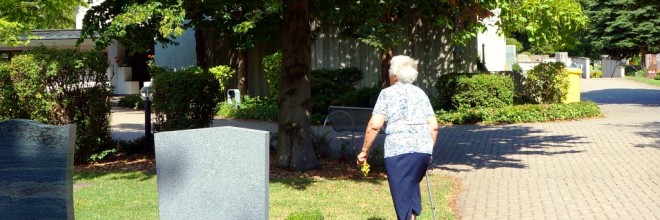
column 447, row 88
column 483, row 91
column 60, row 87
column 521, row 113
column 656, row 77
column 273, row 68
column 185, row 100
column 547, row 82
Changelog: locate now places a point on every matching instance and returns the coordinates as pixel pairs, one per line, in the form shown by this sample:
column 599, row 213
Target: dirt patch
column 328, row 169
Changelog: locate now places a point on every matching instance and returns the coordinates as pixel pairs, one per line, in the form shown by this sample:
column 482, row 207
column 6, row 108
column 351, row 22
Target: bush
column 521, row 113
column 656, row 77
column 547, row 82
column 273, row 68
column 447, row 88
column 251, row 108
column 185, row 100
column 60, row 87
column 131, row 101
column 222, row 74
column 9, row 105
column 329, row 86
column 630, row 70
column 483, row 90
column 515, row 42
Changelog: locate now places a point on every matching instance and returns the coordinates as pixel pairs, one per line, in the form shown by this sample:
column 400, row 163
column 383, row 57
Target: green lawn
column 645, row 80
column 134, row 196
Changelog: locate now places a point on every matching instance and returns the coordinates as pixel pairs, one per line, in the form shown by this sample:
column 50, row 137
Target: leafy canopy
column 623, row 28
column 18, row 17
column 546, row 23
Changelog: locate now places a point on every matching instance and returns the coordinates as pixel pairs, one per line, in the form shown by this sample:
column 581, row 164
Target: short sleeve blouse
column 406, row 108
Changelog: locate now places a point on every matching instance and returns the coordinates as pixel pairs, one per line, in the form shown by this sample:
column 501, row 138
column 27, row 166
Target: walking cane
column 428, row 185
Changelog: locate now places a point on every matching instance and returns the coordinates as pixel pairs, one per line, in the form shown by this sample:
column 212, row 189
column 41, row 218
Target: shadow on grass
column 478, row 147
column 136, row 175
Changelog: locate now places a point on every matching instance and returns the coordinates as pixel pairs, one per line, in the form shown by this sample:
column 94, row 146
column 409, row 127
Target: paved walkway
column 606, row 168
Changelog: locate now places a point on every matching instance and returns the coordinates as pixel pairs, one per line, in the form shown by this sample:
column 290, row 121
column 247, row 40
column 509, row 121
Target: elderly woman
column 411, row 134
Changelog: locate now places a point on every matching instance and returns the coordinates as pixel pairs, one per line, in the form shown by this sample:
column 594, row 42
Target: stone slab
column 36, row 170
column 213, row 173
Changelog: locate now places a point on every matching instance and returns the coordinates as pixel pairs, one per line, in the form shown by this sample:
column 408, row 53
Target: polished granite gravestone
column 36, row 170
column 212, row 173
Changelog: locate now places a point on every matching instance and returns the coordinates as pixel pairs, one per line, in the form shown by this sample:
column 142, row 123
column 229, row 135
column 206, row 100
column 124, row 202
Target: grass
column 134, row 196
column 115, row 196
column 645, row 80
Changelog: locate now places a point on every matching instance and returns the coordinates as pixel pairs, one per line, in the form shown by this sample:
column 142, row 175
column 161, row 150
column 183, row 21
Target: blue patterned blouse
column 406, row 108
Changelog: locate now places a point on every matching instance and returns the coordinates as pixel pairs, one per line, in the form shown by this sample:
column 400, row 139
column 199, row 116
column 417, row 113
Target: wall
column 493, row 44
column 329, row 50
column 180, row 56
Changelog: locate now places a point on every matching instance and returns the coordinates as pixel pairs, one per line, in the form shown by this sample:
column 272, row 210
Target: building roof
column 57, row 34
column 61, row 38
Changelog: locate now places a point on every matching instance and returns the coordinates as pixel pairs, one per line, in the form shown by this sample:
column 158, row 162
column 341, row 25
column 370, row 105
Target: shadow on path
column 645, row 97
column 479, row 147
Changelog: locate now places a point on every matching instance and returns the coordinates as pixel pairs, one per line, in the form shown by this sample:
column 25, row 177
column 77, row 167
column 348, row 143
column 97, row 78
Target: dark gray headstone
column 212, row 173
column 36, row 170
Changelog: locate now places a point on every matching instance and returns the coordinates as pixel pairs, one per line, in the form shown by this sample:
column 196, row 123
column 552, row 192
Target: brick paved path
column 606, row 168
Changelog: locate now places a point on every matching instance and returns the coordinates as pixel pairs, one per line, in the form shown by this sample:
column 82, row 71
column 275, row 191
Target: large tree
column 18, row 17
column 294, row 150
column 623, row 28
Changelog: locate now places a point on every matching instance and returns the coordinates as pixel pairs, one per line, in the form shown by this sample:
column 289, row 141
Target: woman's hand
column 362, row 157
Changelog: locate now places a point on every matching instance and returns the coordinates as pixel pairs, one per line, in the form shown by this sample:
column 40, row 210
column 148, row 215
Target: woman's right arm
column 375, row 124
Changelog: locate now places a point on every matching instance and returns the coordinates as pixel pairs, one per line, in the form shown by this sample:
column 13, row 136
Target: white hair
column 404, row 68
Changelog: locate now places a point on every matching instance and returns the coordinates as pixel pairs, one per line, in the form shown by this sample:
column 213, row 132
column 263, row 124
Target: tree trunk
column 294, row 142
column 200, row 48
column 385, row 58
column 241, row 74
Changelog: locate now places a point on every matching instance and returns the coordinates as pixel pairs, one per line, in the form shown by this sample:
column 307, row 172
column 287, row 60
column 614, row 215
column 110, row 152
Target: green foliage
column 62, row 87
column 306, row 215
column 273, row 68
column 185, row 100
column 251, row 108
column 222, row 74
column 623, row 28
column 131, row 101
column 547, row 82
column 483, row 90
column 446, row 86
column 517, row 68
column 631, row 70
column 19, row 17
column 656, row 77
column 139, row 145
column 521, row 113
column 546, row 23
column 330, row 85
column 514, row 42
column 135, row 24
column 9, row 105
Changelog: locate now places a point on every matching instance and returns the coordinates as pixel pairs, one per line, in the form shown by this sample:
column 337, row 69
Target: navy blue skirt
column 404, row 172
